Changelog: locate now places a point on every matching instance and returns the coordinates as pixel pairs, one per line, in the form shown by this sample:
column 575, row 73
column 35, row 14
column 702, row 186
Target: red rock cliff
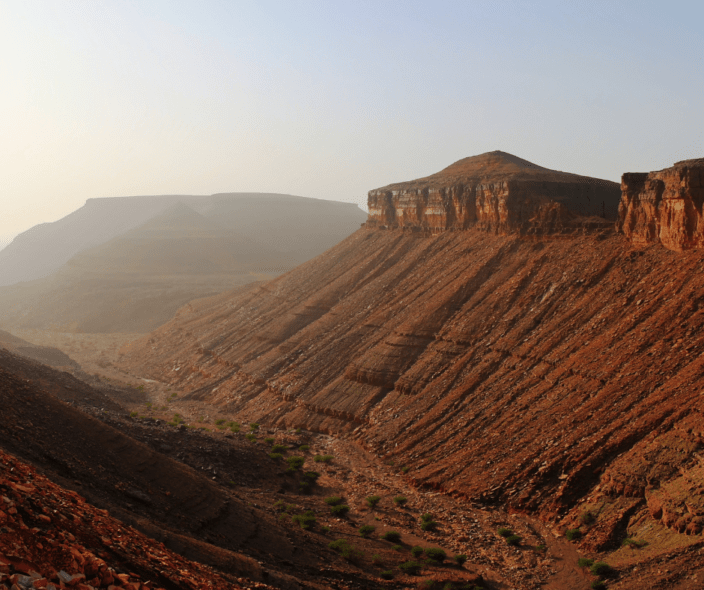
column 498, row 192
column 664, row 206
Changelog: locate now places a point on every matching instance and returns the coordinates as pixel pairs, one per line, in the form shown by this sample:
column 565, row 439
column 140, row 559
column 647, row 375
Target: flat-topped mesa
column 664, row 206
column 497, row 192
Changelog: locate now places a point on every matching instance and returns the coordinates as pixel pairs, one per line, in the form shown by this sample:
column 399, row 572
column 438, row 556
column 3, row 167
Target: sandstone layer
column 498, row 192
column 664, row 206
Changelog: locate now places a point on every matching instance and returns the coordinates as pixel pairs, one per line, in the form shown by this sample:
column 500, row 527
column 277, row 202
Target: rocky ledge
column 664, row 206
column 498, row 192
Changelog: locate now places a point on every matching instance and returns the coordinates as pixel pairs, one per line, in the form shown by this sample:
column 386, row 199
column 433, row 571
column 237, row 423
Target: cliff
column 664, row 206
column 498, row 192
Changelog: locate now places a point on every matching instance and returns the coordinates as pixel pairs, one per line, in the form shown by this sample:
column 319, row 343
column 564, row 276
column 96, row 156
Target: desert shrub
column 345, row 549
column 629, row 542
column 428, row 525
column 305, row 520
column 372, row 501
column 276, row 456
column 377, row 560
column 428, row 584
column 304, row 448
column 284, row 516
column 387, row 575
column 585, row 562
column 400, row 500
column 601, row 568
column 404, row 469
column 311, row 476
column 323, row 458
column 417, row 551
column 295, row 462
column 325, row 529
column 219, row 421
column 279, row 504
column 366, row 530
column 333, row 500
column 339, row 510
column 460, row 559
column 254, row 426
column 573, row 534
column 268, row 440
column 504, row 532
column 250, row 437
column 599, row 585
column 411, row 568
column 235, row 428
column 304, row 486
column 447, row 586
column 540, row 548
column 397, row 547
column 435, row 554
column 299, row 430
column 513, row 540
column 391, row 536
column 278, row 448
column 587, row 517
column 134, row 414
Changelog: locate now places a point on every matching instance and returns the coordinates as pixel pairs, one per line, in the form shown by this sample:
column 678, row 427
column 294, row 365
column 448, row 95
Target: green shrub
column 304, row 448
column 391, row 536
column 447, row 586
column 397, row 547
column 428, row 584
column 339, row 510
column 404, row 469
column 250, row 437
column 573, row 534
column 235, row 428
column 333, row 500
column 323, row 458
column 601, row 568
column 279, row 448
column 295, row 462
column 428, row 525
column 628, row 542
column 387, row 575
column 304, row 486
column 377, row 560
column 411, row 568
column 416, row 551
column 366, row 530
column 219, row 422
column 276, row 456
column 305, row 520
column 504, row 532
column 312, row 476
column 268, row 440
column 513, row 540
column 134, row 414
column 284, row 516
column 372, row 501
column 325, row 529
column 345, row 549
column 599, row 585
column 540, row 548
column 254, row 426
column 585, row 562
column 400, row 500
column 460, row 559
column 435, row 554
column 587, row 517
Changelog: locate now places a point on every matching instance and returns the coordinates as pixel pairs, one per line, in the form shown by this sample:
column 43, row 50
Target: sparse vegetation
column 372, row 501
column 601, row 568
column 598, row 585
column 573, row 534
column 325, row 529
column 305, row 520
column 279, row 448
column 268, row 440
column 632, row 543
column 504, row 532
column 304, row 448
column 323, row 458
column 405, row 469
column 347, row 551
column 134, row 414
column 397, row 547
column 387, row 575
column 276, row 456
column 377, row 560
column 435, row 554
column 460, row 559
column 250, row 437
column 366, row 530
column 587, row 517
column 254, row 426
column 427, row 523
column 417, row 551
column 411, row 568
column 585, row 562
column 333, row 500
column 339, row 510
column 513, row 540
column 219, row 422
column 295, row 462
column 311, row 476
column 400, row 500
column 391, row 536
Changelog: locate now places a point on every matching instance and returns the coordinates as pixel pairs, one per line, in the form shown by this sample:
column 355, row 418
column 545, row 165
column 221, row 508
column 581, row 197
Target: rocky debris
column 664, row 207
column 497, row 192
column 52, row 538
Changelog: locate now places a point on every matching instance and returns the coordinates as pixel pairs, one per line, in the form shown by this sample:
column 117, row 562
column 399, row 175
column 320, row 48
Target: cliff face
column 497, row 192
column 664, row 206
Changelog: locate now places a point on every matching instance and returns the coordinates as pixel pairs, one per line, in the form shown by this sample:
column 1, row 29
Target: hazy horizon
column 330, row 100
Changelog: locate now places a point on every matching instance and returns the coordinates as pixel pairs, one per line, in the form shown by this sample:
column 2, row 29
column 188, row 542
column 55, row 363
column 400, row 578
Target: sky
column 331, row 99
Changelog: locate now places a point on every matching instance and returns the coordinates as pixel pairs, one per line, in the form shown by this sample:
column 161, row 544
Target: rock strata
column 665, row 206
column 497, row 192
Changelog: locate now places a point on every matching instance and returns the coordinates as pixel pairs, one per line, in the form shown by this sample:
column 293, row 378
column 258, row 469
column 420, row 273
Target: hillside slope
column 543, row 375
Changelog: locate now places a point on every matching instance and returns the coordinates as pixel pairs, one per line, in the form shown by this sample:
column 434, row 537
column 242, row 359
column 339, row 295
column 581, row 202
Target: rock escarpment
column 497, row 192
column 664, row 206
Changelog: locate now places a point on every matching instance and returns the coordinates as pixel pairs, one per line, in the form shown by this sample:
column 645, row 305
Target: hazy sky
column 331, row 99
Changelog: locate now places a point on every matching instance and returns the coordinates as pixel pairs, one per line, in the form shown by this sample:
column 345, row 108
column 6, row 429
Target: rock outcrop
column 497, row 192
column 664, row 206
